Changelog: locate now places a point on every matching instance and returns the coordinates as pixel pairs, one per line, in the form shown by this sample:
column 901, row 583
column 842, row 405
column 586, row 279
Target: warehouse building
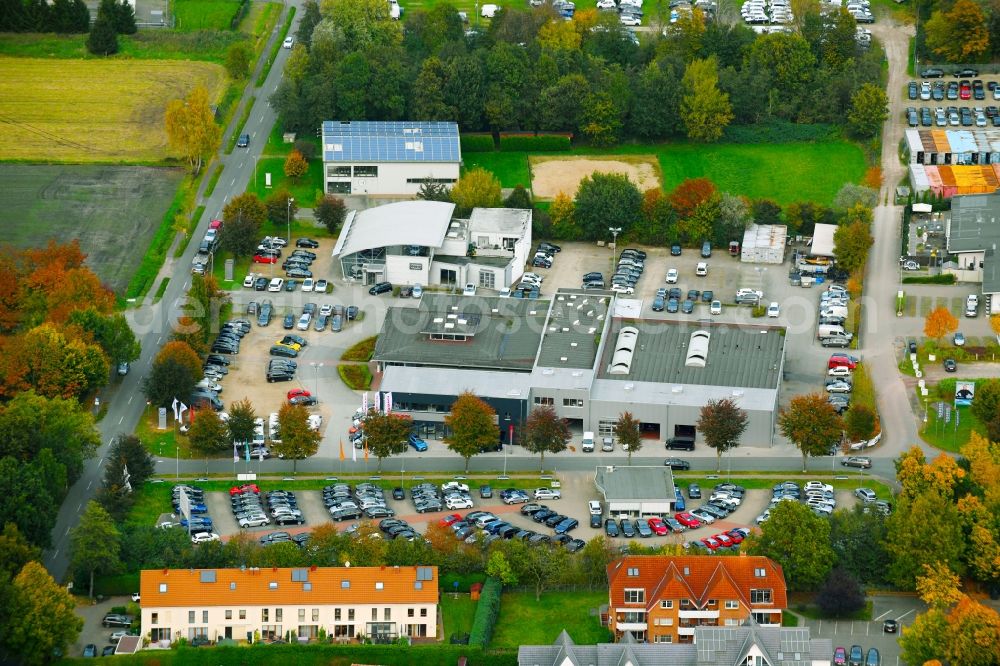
column 579, row 355
column 954, row 162
column 389, row 158
column 764, row 244
column 972, row 231
column 420, row 242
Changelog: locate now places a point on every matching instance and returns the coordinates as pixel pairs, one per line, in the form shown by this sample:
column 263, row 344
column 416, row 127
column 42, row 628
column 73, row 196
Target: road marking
column 159, row 339
column 100, row 463
column 122, row 418
column 130, row 398
column 233, row 183
column 79, row 507
column 904, row 615
column 89, row 485
column 241, row 164
column 55, row 554
column 110, row 440
column 876, row 619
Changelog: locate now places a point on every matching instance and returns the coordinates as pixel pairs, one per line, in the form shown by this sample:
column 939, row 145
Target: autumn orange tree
column 296, row 165
column 690, row 194
column 473, row 427
column 45, row 360
column 561, row 213
column 175, row 371
column 960, row 34
column 191, row 127
column 811, row 424
column 939, row 323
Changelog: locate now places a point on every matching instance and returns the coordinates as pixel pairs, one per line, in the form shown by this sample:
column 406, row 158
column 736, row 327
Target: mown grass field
column 524, row 621
column 113, row 211
column 204, row 14
column 89, row 111
column 784, row 172
column 148, row 44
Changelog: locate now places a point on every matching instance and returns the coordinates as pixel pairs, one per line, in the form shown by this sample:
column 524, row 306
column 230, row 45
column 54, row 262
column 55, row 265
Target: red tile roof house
column 661, row 599
column 266, row 603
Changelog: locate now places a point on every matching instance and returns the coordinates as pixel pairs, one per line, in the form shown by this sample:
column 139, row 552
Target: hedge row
column 942, row 278
column 324, row 655
column 477, row 143
column 778, row 131
column 487, row 612
column 534, row 142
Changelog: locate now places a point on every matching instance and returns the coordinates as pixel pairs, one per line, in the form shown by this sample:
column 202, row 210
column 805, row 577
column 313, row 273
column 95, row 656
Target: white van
column 972, row 305
column 834, row 311
column 587, row 445
column 831, row 330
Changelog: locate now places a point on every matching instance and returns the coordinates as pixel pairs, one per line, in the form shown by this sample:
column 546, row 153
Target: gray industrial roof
column 738, row 356
column 483, row 383
column 635, row 483
column 681, row 395
column 572, row 331
column 975, row 226
column 403, row 223
column 713, row 646
column 390, row 141
column 499, row 220
column 505, row 336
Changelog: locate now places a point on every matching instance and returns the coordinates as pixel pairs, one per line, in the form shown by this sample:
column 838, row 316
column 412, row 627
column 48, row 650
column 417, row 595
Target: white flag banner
column 364, row 403
column 236, row 455
column 378, row 401
column 388, row 402
column 174, row 405
column 181, row 408
column 354, row 453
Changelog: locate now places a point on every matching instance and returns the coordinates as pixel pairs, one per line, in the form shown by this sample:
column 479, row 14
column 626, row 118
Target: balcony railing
column 698, row 613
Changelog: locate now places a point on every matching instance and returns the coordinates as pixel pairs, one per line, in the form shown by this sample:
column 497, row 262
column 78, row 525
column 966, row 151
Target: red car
column 723, row 539
column 297, row 392
column 658, row 526
column 258, row 259
column 246, row 488
column 448, row 521
column 838, row 360
column 840, row 657
column 710, row 543
column 687, row 520
column 215, row 224
column 735, row 535
column 965, row 92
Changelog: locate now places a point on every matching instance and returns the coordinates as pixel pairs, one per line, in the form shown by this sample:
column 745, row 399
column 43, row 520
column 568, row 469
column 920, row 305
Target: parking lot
column 946, row 93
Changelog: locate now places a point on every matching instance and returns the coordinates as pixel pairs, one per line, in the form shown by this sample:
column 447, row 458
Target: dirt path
column 552, row 175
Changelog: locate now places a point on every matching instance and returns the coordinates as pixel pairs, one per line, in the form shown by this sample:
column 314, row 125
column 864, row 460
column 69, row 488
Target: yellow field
column 93, row 110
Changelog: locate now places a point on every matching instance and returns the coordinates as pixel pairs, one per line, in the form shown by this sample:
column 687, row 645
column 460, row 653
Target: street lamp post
column 316, row 367
column 614, row 245
column 288, row 219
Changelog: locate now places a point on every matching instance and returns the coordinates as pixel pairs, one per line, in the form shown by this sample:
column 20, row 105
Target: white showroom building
column 389, row 158
column 419, row 242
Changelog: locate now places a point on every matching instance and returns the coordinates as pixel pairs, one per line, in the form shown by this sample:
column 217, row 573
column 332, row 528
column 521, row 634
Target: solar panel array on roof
column 795, row 641
column 390, row 141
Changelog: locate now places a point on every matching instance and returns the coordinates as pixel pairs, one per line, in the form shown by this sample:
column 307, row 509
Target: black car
column 298, row 273
column 950, row 365
column 932, row 73
column 912, row 91
column 307, row 242
column 380, row 288
column 311, row 256
column 264, row 317
column 297, row 339
column 288, row 323
column 675, row 250
column 281, row 350
column 398, row 493
column 627, row 528
column 303, row 400
column 352, row 312
column 677, row 463
column 215, row 359
column 912, row 346
column 260, row 284
column 288, row 519
column 694, row 491
column 243, row 141
column 890, row 627
column 595, row 520
column 968, row 72
column 610, row 527
column 551, row 248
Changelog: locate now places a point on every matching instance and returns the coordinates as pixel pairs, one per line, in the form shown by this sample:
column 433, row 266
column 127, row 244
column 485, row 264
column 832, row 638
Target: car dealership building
column 583, row 353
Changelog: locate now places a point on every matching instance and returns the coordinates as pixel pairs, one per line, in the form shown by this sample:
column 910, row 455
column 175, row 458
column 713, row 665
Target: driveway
column 845, row 633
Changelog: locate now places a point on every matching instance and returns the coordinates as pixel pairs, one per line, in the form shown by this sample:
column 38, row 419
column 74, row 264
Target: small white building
column 636, row 491
column 822, row 244
column 764, row 244
column 389, row 158
column 418, row 242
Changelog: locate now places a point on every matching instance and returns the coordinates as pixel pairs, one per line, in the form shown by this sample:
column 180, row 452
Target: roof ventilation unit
column 621, row 360
column 697, row 353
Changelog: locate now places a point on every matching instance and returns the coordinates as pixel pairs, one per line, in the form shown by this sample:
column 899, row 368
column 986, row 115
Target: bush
column 487, row 612
column 306, row 147
column 477, row 143
column 943, row 278
column 361, row 351
column 357, row 377
column 758, row 311
column 778, row 131
column 534, row 142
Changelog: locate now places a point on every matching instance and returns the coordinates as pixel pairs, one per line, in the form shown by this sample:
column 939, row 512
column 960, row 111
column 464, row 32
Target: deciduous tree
column 627, row 432
column 860, row 423
column 241, row 421
column 851, row 194
column 473, row 427
column 811, row 424
column 869, row 109
column 498, row 567
column 518, row 198
column 938, row 586
column 386, row 434
column 601, row 119
column 296, row 165
column 43, row 617
column 175, row 371
column 923, row 530
column 477, row 188
column 298, row 439
column 281, row 207
column 115, row 494
column 330, row 211
column 562, row 213
column 95, row 544
column 23, row 485
column 208, row 433
column 858, row 540
column 606, row 200
column 544, row 432
column 851, row 244
column 925, row 639
column 191, row 127
column 112, row 332
column 705, row 109
column 722, row 424
column 798, row 540
column 690, row 194
column 939, row 323
column 238, row 57
column 243, row 217
column 428, row 92
column 959, row 34
column 840, row 594
column 43, row 359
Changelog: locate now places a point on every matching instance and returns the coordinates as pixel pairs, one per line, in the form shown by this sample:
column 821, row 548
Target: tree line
column 532, row 70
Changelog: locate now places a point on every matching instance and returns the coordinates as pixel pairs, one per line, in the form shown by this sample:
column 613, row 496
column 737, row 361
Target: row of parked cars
column 200, row 525
column 494, row 529
column 251, row 508
column 428, row 497
column 963, row 89
column 365, row 499
column 953, row 116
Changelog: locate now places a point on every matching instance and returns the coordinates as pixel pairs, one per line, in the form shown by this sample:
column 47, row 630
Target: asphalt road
column 153, row 324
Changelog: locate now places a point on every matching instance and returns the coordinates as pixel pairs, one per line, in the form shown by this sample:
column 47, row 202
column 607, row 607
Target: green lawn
column 953, row 435
column 784, row 172
column 524, row 621
column 240, row 269
column 457, row 611
column 205, row 14
column 305, row 190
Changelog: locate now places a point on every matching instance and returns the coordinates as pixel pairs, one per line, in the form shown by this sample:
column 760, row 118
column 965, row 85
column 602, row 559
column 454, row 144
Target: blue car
column 642, row 527
column 672, row 305
column 679, row 504
column 418, row 444
column 198, row 521
column 566, row 525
